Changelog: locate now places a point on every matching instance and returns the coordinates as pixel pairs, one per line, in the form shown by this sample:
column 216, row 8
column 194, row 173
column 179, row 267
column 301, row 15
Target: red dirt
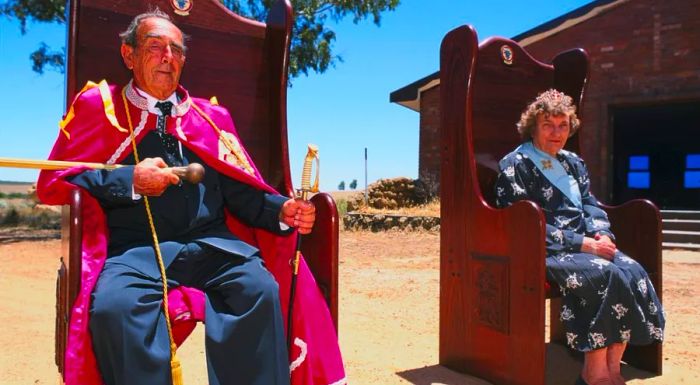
column 389, row 284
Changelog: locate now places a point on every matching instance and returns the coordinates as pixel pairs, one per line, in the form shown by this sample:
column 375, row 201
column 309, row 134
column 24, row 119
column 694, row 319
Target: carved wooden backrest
column 506, row 79
column 242, row 62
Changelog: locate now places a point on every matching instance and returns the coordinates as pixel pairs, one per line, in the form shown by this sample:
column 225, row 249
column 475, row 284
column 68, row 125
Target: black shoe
column 580, row 381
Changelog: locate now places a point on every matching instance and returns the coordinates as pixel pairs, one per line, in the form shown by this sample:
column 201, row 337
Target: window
column 638, row 174
column 692, row 171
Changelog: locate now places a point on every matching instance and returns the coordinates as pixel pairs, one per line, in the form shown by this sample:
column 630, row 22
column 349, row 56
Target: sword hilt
column 306, row 186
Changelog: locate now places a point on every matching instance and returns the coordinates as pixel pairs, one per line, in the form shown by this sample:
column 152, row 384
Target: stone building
column 641, row 113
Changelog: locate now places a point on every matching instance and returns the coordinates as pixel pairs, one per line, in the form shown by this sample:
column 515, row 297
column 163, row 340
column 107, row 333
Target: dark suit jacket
column 182, row 214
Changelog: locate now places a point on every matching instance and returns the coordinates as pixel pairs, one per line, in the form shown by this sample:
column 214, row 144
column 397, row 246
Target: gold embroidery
column 230, row 149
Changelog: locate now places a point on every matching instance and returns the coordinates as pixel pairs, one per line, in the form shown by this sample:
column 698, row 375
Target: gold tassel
column 175, row 369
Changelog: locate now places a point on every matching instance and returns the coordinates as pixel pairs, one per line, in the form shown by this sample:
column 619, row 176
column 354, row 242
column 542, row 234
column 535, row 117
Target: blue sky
column 342, row 111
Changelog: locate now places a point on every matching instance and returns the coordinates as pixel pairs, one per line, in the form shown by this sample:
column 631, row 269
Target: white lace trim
column 302, row 355
column 127, row 140
column 178, row 129
column 135, row 99
column 141, row 103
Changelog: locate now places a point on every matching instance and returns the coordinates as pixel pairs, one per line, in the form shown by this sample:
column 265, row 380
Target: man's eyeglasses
column 159, row 48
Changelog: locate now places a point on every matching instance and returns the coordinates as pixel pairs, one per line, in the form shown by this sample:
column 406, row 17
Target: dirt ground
column 389, row 286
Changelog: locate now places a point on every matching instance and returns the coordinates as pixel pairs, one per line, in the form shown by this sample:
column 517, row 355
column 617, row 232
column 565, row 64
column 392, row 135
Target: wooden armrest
column 637, row 228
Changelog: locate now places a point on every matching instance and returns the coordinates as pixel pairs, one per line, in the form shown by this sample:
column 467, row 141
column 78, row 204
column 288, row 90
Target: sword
column 303, row 193
column 193, row 173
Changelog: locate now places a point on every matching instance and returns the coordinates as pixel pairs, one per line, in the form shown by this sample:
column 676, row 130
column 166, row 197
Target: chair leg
column 556, row 328
column 648, row 357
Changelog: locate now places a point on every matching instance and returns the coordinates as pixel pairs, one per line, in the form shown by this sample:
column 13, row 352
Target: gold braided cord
column 241, row 158
column 174, row 362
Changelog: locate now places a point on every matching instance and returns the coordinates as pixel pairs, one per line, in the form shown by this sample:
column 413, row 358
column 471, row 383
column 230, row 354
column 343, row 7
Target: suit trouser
column 245, row 341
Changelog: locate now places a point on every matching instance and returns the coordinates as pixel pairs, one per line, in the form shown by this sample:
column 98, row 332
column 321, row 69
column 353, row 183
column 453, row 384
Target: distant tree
column 353, row 184
column 341, row 186
column 312, row 40
column 47, row 11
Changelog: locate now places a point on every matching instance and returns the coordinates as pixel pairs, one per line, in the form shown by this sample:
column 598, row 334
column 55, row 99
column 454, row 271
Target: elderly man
column 153, row 124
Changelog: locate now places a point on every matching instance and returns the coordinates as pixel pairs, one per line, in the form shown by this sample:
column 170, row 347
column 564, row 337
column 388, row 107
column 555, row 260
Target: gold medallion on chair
column 181, row 7
column 507, row 54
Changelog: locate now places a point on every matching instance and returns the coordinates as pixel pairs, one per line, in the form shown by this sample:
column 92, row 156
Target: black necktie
column 169, row 142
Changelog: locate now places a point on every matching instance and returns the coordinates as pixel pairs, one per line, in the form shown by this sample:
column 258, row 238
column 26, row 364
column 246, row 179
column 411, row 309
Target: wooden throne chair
column 492, row 267
column 240, row 61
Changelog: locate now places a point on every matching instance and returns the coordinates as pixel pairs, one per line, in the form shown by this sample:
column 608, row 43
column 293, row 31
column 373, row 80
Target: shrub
column 342, row 206
column 44, row 220
column 14, row 195
column 11, row 218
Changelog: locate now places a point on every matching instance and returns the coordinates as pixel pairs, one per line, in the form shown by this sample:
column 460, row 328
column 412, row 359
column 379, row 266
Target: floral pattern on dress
column 653, row 309
column 566, row 314
column 642, row 286
column 599, row 263
column 571, row 339
column 620, row 310
column 597, row 340
column 572, row 282
column 557, row 236
column 656, row 333
column 598, row 309
column 627, row 260
column 625, row 335
column 517, row 190
column 547, row 193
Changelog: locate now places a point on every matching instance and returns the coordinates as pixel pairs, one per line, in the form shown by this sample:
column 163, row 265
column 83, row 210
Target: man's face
column 551, row 132
column 158, row 57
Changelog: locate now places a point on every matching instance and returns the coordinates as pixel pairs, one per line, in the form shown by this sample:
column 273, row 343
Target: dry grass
column 345, row 195
column 430, row 209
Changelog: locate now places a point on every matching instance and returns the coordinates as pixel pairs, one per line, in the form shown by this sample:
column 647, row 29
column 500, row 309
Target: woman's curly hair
column 550, row 102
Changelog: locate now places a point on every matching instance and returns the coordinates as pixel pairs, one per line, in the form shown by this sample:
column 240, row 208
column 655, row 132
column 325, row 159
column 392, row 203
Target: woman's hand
column 601, row 246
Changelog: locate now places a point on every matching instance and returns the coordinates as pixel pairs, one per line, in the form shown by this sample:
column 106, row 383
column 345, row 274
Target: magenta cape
column 91, row 136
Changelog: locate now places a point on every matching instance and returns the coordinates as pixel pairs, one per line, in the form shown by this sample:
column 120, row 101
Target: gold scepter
column 193, row 173
column 303, row 193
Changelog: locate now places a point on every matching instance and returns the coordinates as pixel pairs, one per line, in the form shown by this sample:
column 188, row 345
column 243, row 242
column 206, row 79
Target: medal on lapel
column 546, row 164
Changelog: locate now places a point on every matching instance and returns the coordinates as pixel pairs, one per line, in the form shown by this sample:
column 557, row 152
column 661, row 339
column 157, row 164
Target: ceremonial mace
column 193, row 173
column 303, row 193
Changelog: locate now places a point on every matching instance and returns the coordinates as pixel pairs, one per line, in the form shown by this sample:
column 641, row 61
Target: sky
column 343, row 110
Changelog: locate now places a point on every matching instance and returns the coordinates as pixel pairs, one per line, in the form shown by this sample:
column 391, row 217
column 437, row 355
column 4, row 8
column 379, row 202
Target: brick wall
column 641, row 52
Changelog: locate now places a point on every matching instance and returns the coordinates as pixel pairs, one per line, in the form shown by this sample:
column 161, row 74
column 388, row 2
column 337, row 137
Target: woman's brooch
column 546, row 164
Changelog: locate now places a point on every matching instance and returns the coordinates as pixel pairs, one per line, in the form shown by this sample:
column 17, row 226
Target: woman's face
column 551, row 132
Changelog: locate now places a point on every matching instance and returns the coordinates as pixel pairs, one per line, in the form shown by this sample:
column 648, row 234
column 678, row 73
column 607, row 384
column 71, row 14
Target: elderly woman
column 608, row 299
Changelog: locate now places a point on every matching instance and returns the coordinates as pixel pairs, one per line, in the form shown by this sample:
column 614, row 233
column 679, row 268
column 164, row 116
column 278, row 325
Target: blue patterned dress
column 604, row 302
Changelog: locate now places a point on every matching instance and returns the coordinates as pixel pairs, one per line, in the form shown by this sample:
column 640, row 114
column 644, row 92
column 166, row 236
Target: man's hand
column 298, row 213
column 601, row 246
column 151, row 177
